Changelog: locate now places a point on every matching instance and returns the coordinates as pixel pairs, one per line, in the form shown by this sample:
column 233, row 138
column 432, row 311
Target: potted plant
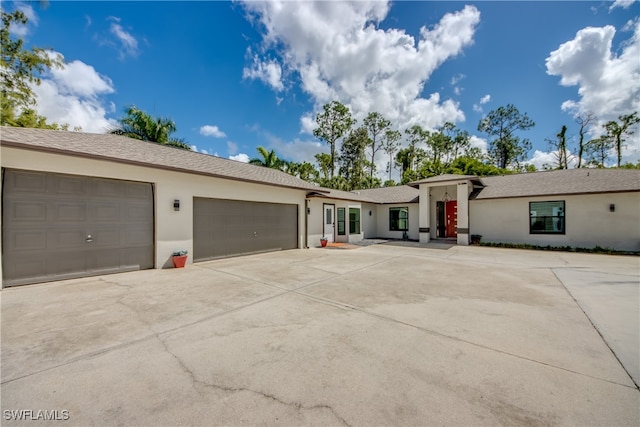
column 323, row 241
column 179, row 258
column 475, row 239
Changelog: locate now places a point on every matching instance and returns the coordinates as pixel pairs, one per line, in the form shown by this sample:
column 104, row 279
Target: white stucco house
column 77, row 204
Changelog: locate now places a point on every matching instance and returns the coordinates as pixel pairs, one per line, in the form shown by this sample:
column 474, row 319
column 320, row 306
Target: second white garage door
column 223, row 228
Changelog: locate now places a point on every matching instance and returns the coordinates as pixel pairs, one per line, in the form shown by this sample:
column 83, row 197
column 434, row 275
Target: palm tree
column 139, row 125
column 269, row 159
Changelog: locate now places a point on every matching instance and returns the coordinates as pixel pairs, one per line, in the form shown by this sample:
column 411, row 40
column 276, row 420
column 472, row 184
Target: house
column 575, row 207
column 77, row 204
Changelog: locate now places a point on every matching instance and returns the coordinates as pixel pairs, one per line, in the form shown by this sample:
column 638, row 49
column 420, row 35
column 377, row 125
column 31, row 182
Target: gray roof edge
column 39, row 148
column 577, row 193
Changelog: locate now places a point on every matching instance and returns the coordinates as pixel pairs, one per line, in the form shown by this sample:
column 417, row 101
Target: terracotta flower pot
column 323, row 242
column 180, row 261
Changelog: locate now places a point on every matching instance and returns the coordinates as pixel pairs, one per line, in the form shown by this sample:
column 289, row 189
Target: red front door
column 451, row 215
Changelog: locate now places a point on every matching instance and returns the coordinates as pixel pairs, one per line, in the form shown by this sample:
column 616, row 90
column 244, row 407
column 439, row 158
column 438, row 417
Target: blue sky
column 237, row 75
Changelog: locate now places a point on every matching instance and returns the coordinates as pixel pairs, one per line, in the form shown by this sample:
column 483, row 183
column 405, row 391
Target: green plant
column 181, row 252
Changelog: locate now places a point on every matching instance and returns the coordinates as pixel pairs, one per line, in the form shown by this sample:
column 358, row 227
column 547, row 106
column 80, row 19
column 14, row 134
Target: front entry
column 328, row 228
column 451, row 213
column 447, row 219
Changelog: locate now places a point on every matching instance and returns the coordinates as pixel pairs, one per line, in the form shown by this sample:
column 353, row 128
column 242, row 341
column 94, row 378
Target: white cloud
column 73, row 95
column 549, row 159
column 478, row 107
column 268, row 71
column 202, row 150
column 335, row 51
column 240, row 158
column 127, row 43
column 481, row 143
column 21, row 30
column 297, row 150
column 624, row 4
column 608, row 82
column 214, row 131
column 454, row 82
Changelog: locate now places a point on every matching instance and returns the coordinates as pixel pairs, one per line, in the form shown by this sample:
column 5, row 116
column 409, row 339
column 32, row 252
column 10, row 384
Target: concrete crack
column 227, row 389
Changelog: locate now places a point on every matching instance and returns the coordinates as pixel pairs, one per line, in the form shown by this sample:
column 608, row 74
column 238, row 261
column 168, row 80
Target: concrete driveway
column 380, row 335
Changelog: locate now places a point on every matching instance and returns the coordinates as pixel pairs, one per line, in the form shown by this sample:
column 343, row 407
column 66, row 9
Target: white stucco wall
column 173, row 230
column 316, row 220
column 383, row 231
column 369, row 223
column 589, row 221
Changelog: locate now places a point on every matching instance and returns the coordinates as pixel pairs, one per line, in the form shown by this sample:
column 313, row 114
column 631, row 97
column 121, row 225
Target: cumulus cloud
column 22, row 30
column 548, row 159
column 242, row 157
column 608, row 82
column 211, row 130
column 624, row 4
column 477, row 142
column 268, row 71
column 478, row 107
column 75, row 95
column 298, row 150
column 335, row 51
column 126, row 43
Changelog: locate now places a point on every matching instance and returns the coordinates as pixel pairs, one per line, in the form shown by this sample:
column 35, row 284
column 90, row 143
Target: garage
column 223, row 228
column 58, row 226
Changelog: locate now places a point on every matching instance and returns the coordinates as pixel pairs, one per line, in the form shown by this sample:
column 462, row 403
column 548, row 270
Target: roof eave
column 21, row 146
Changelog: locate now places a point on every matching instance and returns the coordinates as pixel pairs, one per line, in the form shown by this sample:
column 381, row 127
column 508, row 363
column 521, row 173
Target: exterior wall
column 369, row 223
column 316, row 220
column 383, row 231
column 173, row 230
column 588, row 221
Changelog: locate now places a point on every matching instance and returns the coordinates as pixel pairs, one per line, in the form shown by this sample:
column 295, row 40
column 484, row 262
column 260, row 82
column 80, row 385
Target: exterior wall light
column 176, row 205
column 612, row 207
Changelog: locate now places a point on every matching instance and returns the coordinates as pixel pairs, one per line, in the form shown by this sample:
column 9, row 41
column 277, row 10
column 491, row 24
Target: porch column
column 424, row 222
column 463, row 213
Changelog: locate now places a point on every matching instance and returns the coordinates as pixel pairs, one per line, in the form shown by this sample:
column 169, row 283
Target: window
column 398, row 219
column 354, row 221
column 546, row 217
column 329, row 220
column 341, row 222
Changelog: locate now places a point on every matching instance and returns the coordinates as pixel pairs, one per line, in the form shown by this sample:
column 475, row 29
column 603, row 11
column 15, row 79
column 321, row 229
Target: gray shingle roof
column 442, row 178
column 388, row 195
column 384, row 195
column 355, row 196
column 560, row 182
column 126, row 150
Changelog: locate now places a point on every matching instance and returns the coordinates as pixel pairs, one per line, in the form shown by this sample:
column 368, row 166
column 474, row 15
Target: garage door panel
column 47, row 219
column 66, row 239
column 105, row 211
column 29, row 211
column 64, row 263
column 68, row 211
column 26, row 268
column 107, row 188
column 68, row 185
column 28, row 182
column 28, row 240
column 233, row 227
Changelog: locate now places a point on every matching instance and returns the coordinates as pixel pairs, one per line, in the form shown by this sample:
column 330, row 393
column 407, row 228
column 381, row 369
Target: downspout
column 306, row 223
